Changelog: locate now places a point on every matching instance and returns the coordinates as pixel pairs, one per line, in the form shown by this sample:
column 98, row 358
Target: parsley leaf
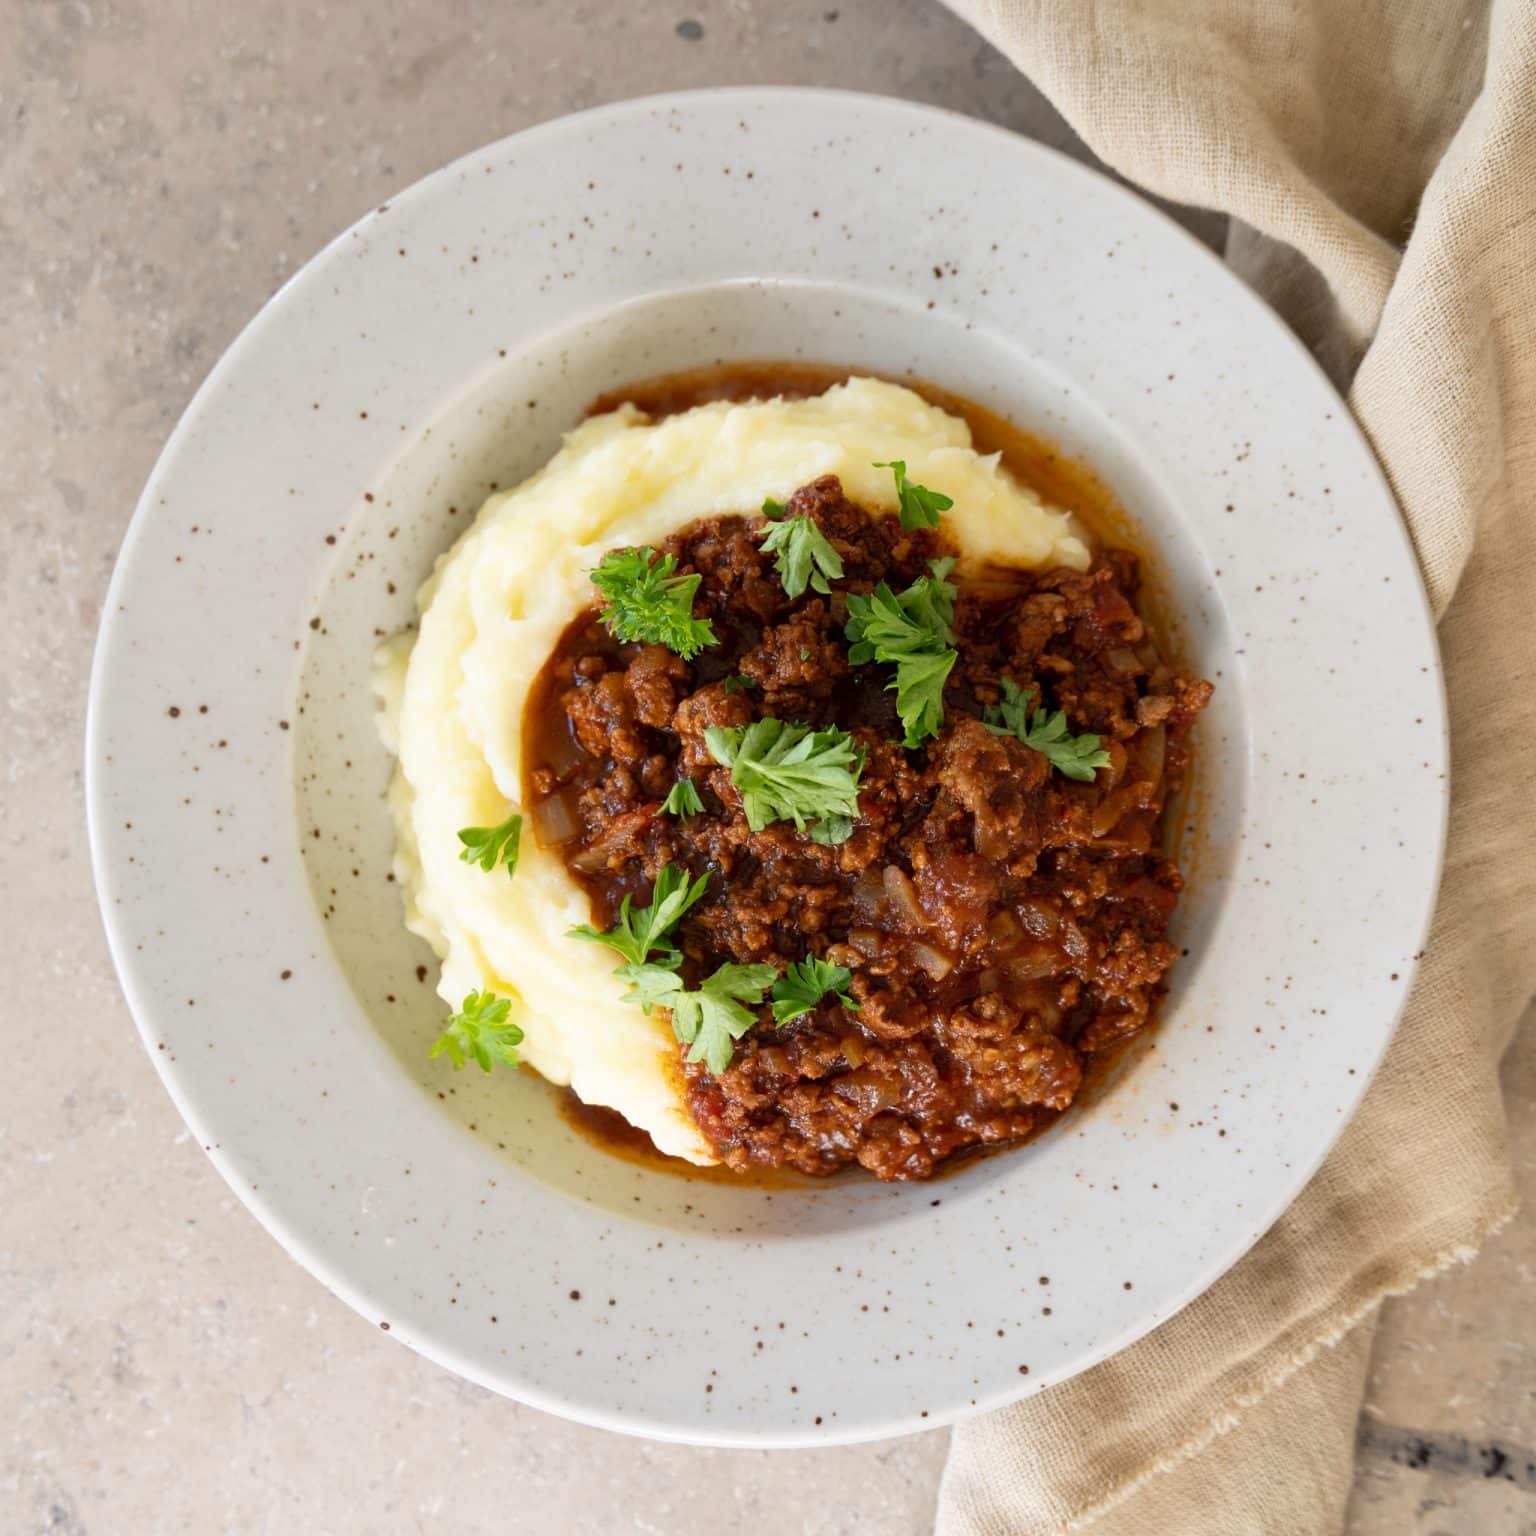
column 710, row 1019
column 918, row 506
column 713, row 1018
column 772, row 508
column 682, row 800
column 919, row 689
column 832, row 830
column 490, row 846
column 736, row 683
column 1075, row 756
column 647, row 602
column 802, row 554
column 919, row 619
column 650, row 984
column 786, row 771
column 804, row 985
column 640, row 931
column 931, row 599
column 1011, row 717
column 480, row 1030
column 913, row 629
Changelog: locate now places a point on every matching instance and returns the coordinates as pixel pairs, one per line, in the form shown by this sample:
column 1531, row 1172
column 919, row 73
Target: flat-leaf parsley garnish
column 1075, row 756
column 802, row 555
column 804, row 985
column 737, row 683
column 832, row 830
column 639, row 930
column 480, row 1031
column 648, row 602
column 490, row 846
column 682, row 800
column 711, row 1019
column 786, row 771
column 917, row 506
column 914, row 630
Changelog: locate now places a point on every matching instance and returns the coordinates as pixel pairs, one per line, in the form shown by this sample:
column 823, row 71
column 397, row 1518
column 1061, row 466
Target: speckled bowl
column 236, row 782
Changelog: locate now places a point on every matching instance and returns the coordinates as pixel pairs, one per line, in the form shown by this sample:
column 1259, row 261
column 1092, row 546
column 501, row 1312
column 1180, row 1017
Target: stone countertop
column 165, row 1366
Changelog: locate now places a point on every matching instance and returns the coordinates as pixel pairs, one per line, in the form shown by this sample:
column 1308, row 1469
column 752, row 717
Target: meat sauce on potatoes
column 1000, row 922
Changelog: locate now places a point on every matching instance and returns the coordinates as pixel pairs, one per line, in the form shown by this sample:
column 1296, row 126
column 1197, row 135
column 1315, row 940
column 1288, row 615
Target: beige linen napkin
column 1380, row 157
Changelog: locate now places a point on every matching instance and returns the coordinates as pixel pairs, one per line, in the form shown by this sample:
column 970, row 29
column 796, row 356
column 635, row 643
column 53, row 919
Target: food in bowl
column 786, row 776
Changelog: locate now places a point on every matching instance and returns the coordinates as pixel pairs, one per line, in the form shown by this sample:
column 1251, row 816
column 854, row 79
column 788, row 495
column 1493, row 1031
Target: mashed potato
column 491, row 613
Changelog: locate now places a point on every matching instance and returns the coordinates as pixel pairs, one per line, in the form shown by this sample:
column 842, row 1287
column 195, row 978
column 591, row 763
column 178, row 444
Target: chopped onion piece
column 1107, row 814
column 991, row 841
column 1041, row 917
column 554, row 819
column 902, row 897
column 1151, row 753
column 934, row 961
column 773, row 1058
column 1035, row 962
column 1137, row 836
column 1117, row 765
column 868, row 893
column 871, row 1092
column 1003, row 928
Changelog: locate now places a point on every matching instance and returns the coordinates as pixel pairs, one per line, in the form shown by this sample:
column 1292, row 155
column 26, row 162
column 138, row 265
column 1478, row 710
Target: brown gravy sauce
column 611, row 1133
column 1057, row 479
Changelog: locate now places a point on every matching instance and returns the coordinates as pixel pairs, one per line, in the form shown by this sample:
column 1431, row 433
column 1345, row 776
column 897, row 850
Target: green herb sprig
column 481, row 1031
column 712, row 1018
column 682, row 800
column 804, row 985
column 917, row 506
column 1075, row 756
column 914, row 630
column 786, row 771
column 639, row 930
column 802, row 556
column 490, row 846
column 648, row 602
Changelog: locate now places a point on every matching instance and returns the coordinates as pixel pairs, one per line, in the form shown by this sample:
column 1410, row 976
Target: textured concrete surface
column 163, row 1366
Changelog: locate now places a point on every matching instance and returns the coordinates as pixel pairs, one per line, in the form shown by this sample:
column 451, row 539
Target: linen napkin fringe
column 1332, row 1325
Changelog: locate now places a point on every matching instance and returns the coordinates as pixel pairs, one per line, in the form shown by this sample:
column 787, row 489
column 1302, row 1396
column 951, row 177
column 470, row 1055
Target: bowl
column 236, row 782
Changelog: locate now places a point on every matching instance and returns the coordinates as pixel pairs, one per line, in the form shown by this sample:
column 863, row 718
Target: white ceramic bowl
column 236, row 782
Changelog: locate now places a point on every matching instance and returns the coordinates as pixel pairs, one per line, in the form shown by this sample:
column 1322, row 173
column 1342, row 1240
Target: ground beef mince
column 1002, row 922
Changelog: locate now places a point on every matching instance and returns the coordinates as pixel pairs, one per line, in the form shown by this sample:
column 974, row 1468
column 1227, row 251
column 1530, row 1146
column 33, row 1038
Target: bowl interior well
column 504, row 425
